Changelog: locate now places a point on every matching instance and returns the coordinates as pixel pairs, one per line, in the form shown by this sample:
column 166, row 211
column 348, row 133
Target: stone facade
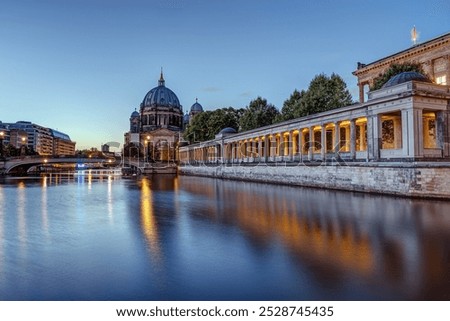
column 155, row 130
column 398, row 142
column 433, row 55
column 406, row 122
column 413, row 180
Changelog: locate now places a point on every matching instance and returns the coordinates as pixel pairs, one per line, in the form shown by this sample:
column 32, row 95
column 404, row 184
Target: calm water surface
column 189, row 238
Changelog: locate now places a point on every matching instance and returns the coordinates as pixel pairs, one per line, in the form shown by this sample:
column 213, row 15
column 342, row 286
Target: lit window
column 441, row 80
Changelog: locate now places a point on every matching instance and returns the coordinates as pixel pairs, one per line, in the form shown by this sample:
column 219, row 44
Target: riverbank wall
column 425, row 180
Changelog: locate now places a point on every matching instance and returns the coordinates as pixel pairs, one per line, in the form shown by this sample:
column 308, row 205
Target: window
column 441, row 80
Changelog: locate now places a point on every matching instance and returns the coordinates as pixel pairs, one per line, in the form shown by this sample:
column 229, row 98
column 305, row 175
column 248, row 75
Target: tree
column 208, row 124
column 258, row 114
column 324, row 93
column 11, row 151
column 393, row 70
column 291, row 107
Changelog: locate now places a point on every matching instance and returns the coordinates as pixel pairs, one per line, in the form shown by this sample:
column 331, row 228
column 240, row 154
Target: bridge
column 25, row 163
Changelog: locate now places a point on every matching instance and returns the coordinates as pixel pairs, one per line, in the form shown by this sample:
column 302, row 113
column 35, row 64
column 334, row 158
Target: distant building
column 433, row 55
column 42, row 140
column 196, row 109
column 62, row 145
column 35, row 137
column 105, row 148
column 4, row 133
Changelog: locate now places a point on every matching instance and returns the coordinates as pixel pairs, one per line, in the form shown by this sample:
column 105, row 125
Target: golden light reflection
column 319, row 240
column 44, row 209
column 22, row 225
column 148, row 222
column 89, row 180
column 320, row 237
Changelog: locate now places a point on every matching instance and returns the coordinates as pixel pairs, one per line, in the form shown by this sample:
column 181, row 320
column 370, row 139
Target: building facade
column 42, row 140
column 432, row 55
column 406, row 120
column 62, row 145
column 155, row 130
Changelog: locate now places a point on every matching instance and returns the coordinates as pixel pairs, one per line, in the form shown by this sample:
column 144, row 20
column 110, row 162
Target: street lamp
column 145, row 153
column 22, row 148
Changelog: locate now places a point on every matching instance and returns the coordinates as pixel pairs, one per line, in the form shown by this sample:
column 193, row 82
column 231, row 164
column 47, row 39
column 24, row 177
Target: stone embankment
column 428, row 180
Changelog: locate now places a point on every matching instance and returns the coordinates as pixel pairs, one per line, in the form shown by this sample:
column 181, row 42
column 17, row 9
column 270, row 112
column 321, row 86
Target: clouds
column 211, row 89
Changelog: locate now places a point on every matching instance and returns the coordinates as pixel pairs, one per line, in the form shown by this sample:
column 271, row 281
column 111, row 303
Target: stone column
column 337, row 138
column 443, row 132
column 300, row 143
column 259, row 148
column 361, row 92
column 266, row 147
column 418, row 133
column 232, row 152
column 373, row 136
column 291, row 145
column 311, row 144
column 352, row 139
column 223, row 150
column 401, row 132
column 323, row 142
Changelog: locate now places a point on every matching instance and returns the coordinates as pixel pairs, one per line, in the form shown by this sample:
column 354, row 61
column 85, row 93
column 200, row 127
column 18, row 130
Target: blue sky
column 82, row 66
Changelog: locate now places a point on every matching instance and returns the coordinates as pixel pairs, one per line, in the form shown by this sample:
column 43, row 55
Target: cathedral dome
column 186, row 119
column 161, row 96
column 134, row 114
column 405, row 77
column 196, row 108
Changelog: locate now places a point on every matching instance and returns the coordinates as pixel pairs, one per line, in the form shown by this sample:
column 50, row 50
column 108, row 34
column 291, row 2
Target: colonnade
column 409, row 121
column 346, row 138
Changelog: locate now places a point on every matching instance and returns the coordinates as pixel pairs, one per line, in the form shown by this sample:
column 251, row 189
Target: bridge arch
column 27, row 163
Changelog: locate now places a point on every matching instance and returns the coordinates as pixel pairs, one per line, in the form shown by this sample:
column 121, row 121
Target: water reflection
column 44, row 205
column 148, row 220
column 82, row 238
column 386, row 242
column 21, row 215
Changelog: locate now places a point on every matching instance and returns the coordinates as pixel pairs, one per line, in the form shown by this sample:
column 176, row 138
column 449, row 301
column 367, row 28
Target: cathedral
column 156, row 129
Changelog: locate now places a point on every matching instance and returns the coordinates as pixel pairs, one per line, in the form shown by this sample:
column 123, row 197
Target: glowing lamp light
column 45, row 160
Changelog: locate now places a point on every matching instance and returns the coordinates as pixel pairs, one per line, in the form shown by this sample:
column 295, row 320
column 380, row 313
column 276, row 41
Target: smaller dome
column 186, row 119
column 405, row 77
column 134, row 114
column 196, row 107
column 228, row 130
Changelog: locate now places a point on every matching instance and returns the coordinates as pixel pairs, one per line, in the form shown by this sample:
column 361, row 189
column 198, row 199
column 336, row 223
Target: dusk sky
column 83, row 66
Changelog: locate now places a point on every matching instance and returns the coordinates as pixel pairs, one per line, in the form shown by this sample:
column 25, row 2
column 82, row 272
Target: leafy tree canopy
column 291, row 107
column 209, row 123
column 324, row 93
column 393, row 70
column 258, row 114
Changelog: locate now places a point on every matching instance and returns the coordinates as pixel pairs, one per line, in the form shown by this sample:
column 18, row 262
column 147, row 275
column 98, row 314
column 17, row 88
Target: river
column 190, row 238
